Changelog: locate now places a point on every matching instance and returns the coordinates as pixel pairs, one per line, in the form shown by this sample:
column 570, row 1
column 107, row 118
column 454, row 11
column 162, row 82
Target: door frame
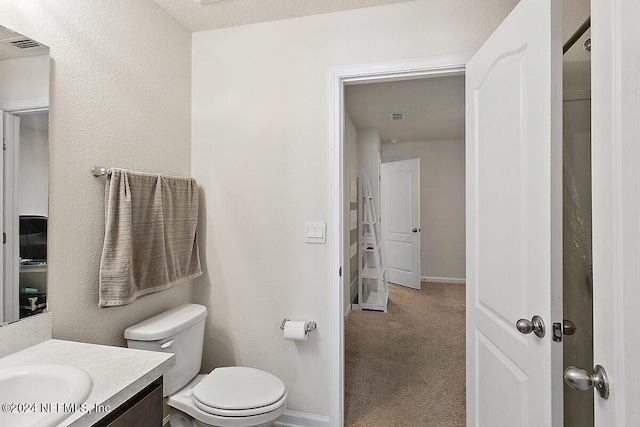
column 341, row 77
column 11, row 177
column 10, row 250
column 616, row 200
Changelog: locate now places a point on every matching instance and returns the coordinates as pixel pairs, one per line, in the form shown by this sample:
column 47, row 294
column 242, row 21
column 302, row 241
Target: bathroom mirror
column 24, row 124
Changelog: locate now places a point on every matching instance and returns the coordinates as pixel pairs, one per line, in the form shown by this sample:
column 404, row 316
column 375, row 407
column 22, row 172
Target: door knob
column 580, row 379
column 568, row 327
column 535, row 325
column 415, row 230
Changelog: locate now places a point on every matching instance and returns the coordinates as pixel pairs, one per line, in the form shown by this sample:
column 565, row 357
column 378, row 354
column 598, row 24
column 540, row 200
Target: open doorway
column 25, row 207
column 406, row 360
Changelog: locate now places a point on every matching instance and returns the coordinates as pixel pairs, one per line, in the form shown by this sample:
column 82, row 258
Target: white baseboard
column 442, row 280
column 301, row 419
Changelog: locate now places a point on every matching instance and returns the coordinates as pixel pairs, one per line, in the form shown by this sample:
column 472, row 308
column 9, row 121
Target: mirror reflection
column 24, row 109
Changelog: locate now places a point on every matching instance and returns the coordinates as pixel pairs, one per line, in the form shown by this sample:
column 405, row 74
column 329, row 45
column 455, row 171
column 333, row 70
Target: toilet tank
column 179, row 331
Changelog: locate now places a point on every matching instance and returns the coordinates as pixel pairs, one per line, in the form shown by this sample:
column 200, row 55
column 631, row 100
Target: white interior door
column 514, row 220
column 400, row 221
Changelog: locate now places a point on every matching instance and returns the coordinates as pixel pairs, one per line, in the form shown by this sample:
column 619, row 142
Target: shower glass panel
column 577, row 271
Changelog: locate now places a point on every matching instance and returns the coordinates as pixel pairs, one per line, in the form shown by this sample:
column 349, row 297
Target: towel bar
column 100, row 171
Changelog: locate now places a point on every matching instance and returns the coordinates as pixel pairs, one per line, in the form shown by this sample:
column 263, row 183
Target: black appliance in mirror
column 33, row 239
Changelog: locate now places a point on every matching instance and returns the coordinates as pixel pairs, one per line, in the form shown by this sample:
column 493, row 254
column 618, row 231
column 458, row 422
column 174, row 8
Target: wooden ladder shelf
column 373, row 290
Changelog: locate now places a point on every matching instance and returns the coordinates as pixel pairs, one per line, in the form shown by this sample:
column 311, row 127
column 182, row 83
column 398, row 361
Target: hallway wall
column 442, row 204
column 261, row 149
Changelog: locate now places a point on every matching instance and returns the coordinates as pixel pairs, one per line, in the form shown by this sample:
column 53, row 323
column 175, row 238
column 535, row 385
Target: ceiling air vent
column 396, row 117
column 24, row 43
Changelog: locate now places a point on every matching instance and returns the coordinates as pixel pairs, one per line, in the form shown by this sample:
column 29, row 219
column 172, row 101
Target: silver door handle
column 535, row 325
column 415, row 230
column 580, row 379
column 568, row 327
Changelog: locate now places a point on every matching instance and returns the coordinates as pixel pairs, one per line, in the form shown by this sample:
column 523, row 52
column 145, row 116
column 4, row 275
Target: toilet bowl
column 226, row 397
column 188, row 411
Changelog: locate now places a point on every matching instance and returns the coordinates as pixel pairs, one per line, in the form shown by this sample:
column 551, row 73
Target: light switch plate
column 315, row 232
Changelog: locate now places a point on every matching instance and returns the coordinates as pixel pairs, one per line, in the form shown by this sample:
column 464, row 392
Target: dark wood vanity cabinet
column 142, row 410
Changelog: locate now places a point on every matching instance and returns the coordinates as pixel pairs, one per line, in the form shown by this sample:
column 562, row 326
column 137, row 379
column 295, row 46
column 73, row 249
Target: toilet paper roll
column 296, row 330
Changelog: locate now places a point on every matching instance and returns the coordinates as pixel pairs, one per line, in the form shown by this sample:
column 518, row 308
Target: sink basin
column 42, row 395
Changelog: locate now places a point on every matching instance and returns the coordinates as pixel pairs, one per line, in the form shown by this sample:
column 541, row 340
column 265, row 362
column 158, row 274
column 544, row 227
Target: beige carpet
column 407, row 367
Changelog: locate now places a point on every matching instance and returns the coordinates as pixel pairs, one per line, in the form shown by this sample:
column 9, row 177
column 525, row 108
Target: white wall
column 349, row 263
column 261, row 149
column 120, row 96
column 369, row 160
column 33, row 196
column 24, row 79
column 442, row 203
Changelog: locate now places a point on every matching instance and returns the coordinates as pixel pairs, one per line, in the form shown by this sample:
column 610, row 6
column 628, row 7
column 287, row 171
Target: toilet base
column 180, row 419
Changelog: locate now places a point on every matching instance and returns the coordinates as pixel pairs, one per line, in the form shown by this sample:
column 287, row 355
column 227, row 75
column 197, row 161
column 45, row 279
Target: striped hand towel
column 150, row 235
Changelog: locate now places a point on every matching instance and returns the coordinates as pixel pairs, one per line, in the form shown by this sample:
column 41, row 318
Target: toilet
column 226, row 397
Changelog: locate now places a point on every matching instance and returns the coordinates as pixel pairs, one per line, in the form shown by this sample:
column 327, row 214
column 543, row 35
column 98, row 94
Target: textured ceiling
column 229, row 13
column 10, row 52
column 434, row 108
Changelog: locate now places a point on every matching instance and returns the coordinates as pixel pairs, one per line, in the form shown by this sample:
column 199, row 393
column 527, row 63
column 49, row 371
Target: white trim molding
column 301, row 419
column 374, row 73
column 442, row 280
column 24, row 104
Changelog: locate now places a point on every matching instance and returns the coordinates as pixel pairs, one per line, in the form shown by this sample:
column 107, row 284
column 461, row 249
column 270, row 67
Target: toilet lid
column 238, row 388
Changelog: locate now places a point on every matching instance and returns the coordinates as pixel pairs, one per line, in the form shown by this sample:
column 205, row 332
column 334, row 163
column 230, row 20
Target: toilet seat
column 183, row 402
column 239, row 392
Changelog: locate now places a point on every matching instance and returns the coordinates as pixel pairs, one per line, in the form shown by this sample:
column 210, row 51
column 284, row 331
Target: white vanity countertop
column 118, row 373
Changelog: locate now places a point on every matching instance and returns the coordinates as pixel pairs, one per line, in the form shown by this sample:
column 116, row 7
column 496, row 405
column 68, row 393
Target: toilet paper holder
column 310, row 327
